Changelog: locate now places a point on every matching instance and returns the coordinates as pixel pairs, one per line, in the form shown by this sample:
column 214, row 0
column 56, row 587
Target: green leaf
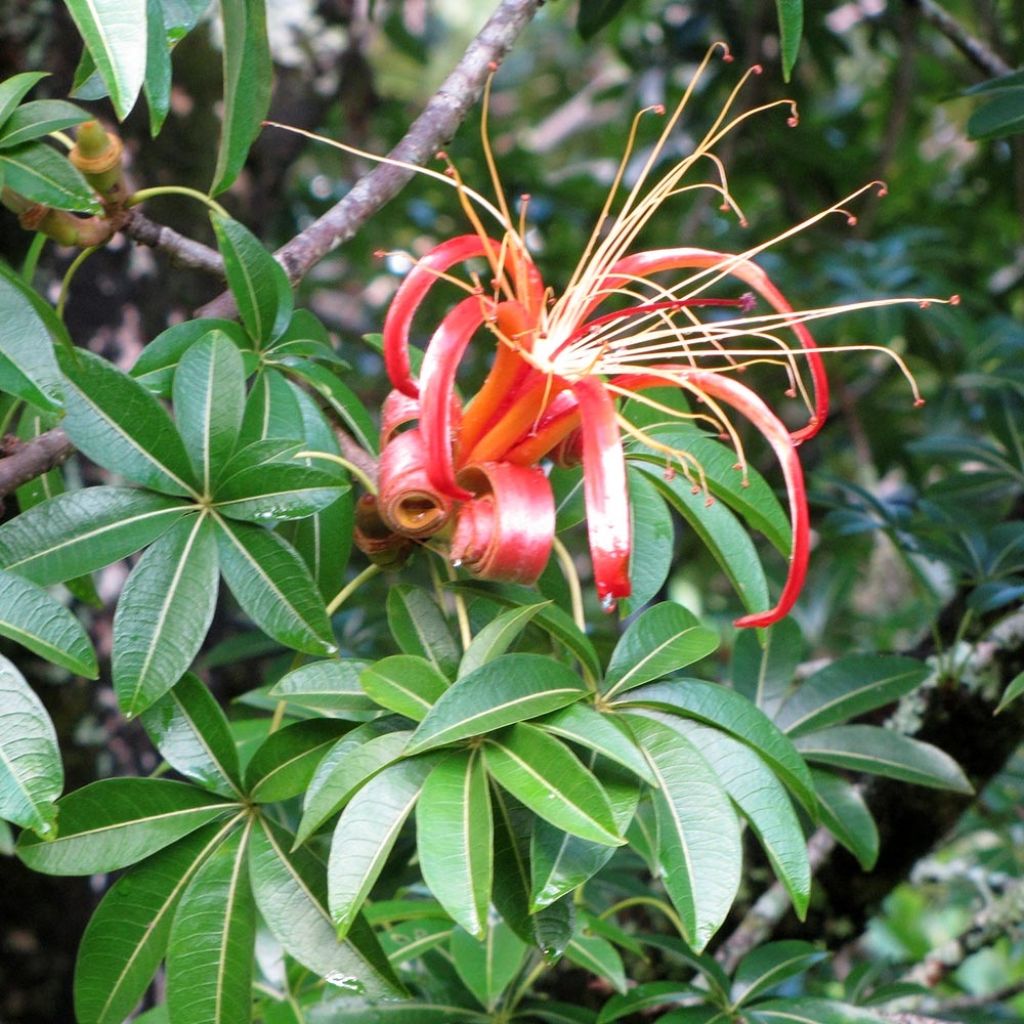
column 419, row 628
column 791, row 27
column 248, row 77
column 115, row 822
column 272, row 409
column 454, row 835
column 550, row 618
column 355, row 1010
column 127, row 935
column 513, row 825
column 1013, row 690
column 157, row 84
column 342, row 400
column 732, row 713
column 164, row 612
column 278, row 491
column 31, row 773
column 845, row 814
column 210, row 953
column 581, row 724
column 595, row 14
column 189, row 729
column 75, row 533
column 274, row 587
column 366, row 832
column 497, row 636
column 723, row 535
column 355, row 758
column 209, row 400
column 258, row 282
column 762, row 800
column 600, row 957
column 404, row 684
column 289, row 893
column 38, row 172
column 36, row 620
column 821, row 1011
column 650, row 995
column 28, row 368
column 14, row 89
column 329, row 687
column 487, row 967
column 509, row 689
column 541, row 772
column 555, row 924
column 38, row 118
column 1000, row 116
column 116, row 422
column 868, row 748
column 324, row 541
column 698, row 835
column 770, row 965
column 660, row 640
column 847, row 688
column 285, row 762
column 115, row 34
column 159, row 360
column 653, row 542
column 764, row 667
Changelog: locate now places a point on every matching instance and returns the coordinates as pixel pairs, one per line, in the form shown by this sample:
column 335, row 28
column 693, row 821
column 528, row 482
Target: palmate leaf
column 497, row 636
column 31, row 772
column 210, row 953
column 770, row 965
column 164, row 612
column 791, row 27
column 330, row 687
column 157, row 83
column 419, row 628
column 598, row 956
column 127, row 935
column 278, row 491
column 289, row 893
column 115, row 822
column 38, row 118
column 76, row 533
column 454, row 838
column 764, row 668
column 33, row 618
column 159, row 360
column 38, row 172
column 821, row 1011
column 272, row 409
column 487, row 967
column 845, row 814
column 341, row 399
column 284, row 763
column 653, row 540
column 405, row 684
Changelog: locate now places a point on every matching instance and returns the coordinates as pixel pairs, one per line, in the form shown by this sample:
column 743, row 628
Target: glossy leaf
column 513, row 824
column 28, row 368
column 653, row 540
column 289, row 893
column 649, row 995
column 278, row 491
column 1013, row 690
column 419, row 628
column 115, row 34
column 404, row 684
column 324, row 540
column 122, row 427
column 454, row 835
column 285, row 762
column 764, row 667
column 845, row 814
column 487, row 967
column 821, row 1011
column 274, row 587
column 75, row 533
column 127, row 934
column 115, row 822
column 209, row 399
column 258, row 282
column 366, row 832
column 189, row 729
column 157, row 83
column 698, row 836
column 39, row 173
column 542, row 773
column 497, row 636
column 847, row 688
column 33, row 618
column 791, row 26
column 659, row 641
column 330, row 687
column 509, row 689
column 600, row 957
column 726, row 710
column 38, row 118
column 31, row 772
column 159, row 360
column 164, row 612
column 210, row 953
column 593, row 16
column 272, row 409
column 342, row 400
column 247, row 77
column 768, row 966
column 868, row 748
column 14, row 89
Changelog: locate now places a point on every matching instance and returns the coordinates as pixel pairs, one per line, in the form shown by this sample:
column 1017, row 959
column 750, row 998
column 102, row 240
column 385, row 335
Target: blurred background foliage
column 920, row 536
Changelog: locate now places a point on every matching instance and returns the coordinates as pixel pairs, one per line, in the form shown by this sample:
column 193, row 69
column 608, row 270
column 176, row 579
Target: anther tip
column 954, row 300
column 851, row 220
column 493, row 66
column 727, row 57
column 793, row 120
column 757, row 69
column 883, row 190
column 924, row 304
column 790, row 392
column 709, row 501
column 658, row 108
column 918, row 402
column 441, row 155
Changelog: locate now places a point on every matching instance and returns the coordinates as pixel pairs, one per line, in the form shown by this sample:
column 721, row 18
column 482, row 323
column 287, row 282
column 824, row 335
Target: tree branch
column 977, row 52
column 429, row 132
column 25, row 460
column 185, row 252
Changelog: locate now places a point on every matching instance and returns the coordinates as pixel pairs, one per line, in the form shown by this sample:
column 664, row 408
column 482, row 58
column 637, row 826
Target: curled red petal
column 398, row 409
column 643, row 263
column 437, row 398
column 411, row 293
column 505, row 532
column 376, row 539
column 605, row 491
column 407, row 500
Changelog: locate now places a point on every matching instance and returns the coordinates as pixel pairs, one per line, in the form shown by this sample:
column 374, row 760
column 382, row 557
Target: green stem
column 572, row 578
column 359, row 474
column 28, row 268
column 351, row 587
column 648, row 901
column 64, row 139
column 65, row 285
column 177, row 190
